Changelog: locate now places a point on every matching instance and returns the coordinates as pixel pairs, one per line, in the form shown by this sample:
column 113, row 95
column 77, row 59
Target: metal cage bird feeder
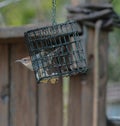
column 56, row 50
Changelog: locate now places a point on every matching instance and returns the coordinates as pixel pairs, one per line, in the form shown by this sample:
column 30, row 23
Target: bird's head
column 26, row 62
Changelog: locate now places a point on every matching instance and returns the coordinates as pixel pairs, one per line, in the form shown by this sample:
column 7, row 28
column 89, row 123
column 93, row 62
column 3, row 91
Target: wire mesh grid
column 56, row 50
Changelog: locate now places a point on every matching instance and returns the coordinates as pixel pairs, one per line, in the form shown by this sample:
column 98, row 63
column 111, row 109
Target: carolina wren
column 27, row 63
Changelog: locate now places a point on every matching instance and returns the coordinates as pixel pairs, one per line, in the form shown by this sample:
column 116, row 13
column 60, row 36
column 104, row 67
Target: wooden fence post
column 81, row 98
column 4, row 85
column 22, row 90
column 50, row 104
column 22, row 102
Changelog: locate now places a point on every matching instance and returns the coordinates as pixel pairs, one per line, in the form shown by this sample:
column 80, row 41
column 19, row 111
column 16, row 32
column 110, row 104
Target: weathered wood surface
column 4, row 85
column 13, row 34
column 103, row 78
column 84, row 116
column 87, row 88
column 50, row 104
column 22, row 90
column 74, row 106
column 86, row 106
column 22, row 102
column 16, row 34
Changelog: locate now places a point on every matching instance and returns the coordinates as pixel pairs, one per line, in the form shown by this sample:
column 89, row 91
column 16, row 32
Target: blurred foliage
column 116, row 5
column 29, row 11
column 18, row 13
column 114, row 48
column 114, row 55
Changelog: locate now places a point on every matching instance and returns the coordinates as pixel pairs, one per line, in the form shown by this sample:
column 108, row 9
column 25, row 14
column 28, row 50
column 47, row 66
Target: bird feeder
column 57, row 50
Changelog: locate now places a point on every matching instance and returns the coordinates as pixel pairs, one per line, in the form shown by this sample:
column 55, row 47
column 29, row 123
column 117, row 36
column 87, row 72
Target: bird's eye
column 25, row 60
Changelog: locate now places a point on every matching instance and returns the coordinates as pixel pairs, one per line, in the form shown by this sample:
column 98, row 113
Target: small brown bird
column 27, row 63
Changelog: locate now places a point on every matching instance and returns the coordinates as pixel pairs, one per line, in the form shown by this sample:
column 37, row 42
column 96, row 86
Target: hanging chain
column 53, row 12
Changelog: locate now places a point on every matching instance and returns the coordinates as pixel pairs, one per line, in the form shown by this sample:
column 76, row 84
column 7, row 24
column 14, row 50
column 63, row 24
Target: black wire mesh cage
column 56, row 50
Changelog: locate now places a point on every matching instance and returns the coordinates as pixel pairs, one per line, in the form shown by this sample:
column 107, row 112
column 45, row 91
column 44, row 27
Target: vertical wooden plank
column 75, row 92
column 85, row 107
column 4, row 85
column 74, row 106
column 87, row 89
column 103, row 56
column 103, row 78
column 23, row 91
column 50, row 104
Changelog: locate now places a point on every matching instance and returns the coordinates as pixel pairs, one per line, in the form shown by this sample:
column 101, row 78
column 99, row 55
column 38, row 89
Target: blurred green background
column 23, row 12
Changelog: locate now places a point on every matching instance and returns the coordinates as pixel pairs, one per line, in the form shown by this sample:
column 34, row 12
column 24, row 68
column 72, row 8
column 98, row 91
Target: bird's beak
column 16, row 61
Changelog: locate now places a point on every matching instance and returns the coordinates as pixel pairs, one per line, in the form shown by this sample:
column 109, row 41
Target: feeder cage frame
column 57, row 50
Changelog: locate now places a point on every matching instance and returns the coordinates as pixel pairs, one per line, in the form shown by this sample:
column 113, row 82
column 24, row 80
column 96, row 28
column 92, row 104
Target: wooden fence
column 23, row 103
